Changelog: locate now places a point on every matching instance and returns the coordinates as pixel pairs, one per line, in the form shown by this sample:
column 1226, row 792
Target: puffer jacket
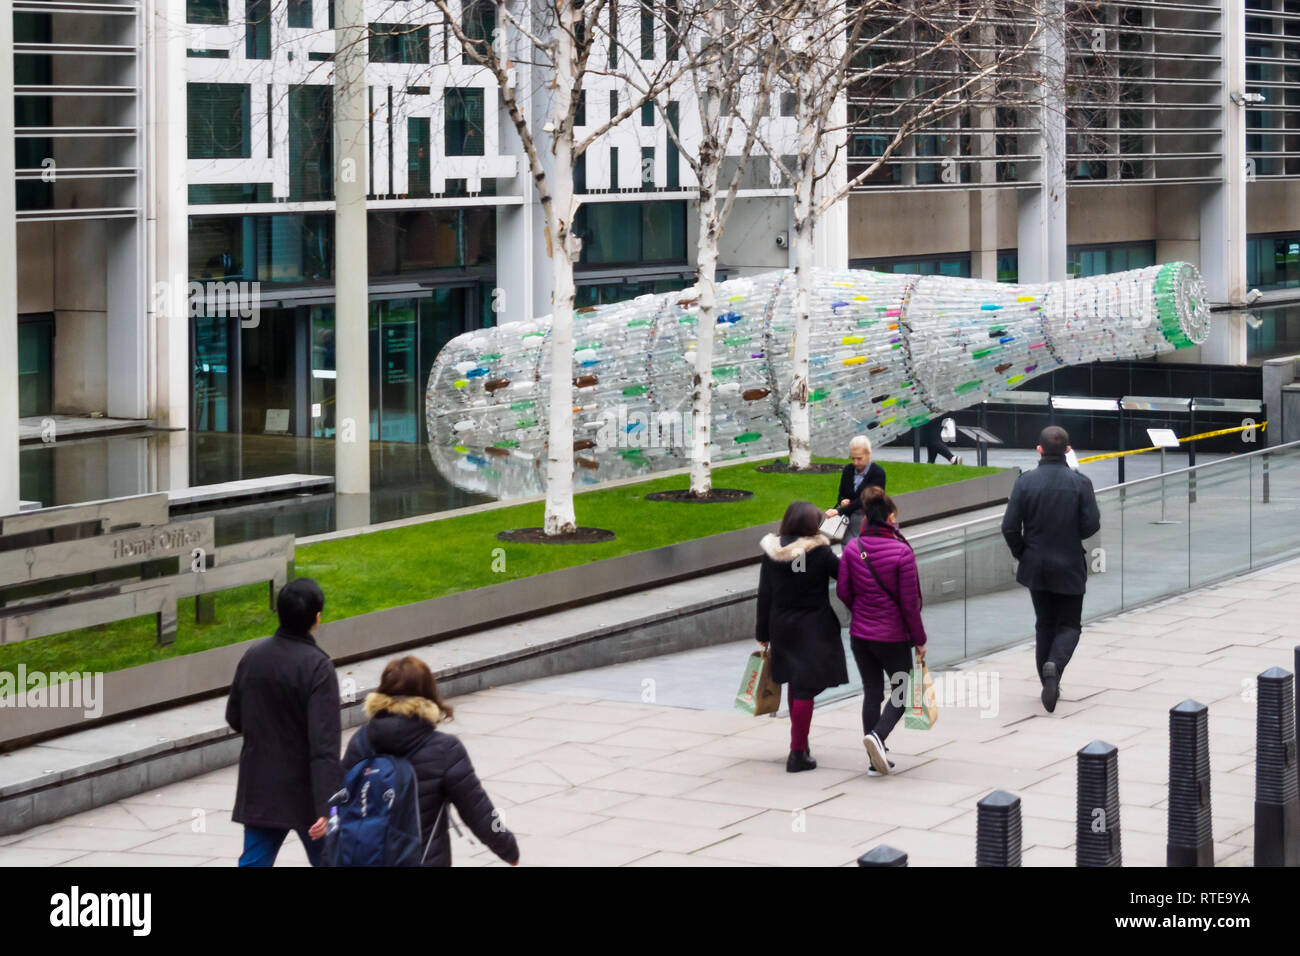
column 407, row 727
column 876, row 616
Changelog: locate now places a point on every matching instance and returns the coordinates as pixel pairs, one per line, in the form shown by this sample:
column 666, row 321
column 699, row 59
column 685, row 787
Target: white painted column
column 8, row 272
column 351, row 272
column 1223, row 208
column 1042, row 226
column 166, row 199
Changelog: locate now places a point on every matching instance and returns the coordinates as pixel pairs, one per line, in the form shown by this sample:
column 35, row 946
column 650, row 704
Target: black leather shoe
column 1051, row 686
column 799, row 760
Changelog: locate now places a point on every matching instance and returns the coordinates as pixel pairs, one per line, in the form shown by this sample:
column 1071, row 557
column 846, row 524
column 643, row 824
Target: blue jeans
column 262, row 844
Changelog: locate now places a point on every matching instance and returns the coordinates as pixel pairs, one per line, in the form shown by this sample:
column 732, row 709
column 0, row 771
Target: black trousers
column 1056, row 627
column 936, row 448
column 875, row 659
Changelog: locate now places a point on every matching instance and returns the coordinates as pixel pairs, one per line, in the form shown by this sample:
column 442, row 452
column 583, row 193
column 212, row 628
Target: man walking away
column 1052, row 511
column 285, row 701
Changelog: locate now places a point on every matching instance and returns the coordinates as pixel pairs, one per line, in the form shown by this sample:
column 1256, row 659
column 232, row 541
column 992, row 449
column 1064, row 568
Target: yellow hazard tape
column 1138, row 451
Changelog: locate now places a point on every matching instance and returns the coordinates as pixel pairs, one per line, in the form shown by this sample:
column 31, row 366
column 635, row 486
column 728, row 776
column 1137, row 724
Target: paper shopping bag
column 922, row 710
column 758, row 694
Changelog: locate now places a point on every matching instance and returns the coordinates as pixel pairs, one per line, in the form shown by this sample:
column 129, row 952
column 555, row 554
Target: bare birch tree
column 730, row 83
column 912, row 63
column 557, row 38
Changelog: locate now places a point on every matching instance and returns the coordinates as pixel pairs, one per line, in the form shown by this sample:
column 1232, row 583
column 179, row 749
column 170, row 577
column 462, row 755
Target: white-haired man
column 860, row 472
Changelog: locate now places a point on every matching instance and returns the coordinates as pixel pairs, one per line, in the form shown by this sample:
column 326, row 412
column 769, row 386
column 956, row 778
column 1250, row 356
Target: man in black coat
column 285, row 701
column 1052, row 511
column 860, row 472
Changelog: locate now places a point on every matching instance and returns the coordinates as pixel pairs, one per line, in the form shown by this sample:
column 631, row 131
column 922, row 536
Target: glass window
column 417, row 156
column 211, row 379
column 218, row 120
column 206, row 11
column 311, row 143
column 464, row 121
column 479, row 23
column 300, row 14
column 647, row 167
column 35, row 365
column 580, row 113
column 647, row 30
column 212, row 193
column 672, row 164
column 625, row 233
column 257, row 36
column 399, row 43
column 663, row 231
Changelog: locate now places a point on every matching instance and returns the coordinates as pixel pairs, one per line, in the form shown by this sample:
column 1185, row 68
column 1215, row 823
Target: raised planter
column 207, row 673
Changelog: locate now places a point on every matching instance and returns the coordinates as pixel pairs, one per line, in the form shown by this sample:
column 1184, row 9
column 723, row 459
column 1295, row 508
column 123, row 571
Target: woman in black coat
column 796, row 619
column 404, row 714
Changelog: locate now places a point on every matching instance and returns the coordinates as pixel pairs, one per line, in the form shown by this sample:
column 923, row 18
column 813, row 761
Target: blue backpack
column 375, row 819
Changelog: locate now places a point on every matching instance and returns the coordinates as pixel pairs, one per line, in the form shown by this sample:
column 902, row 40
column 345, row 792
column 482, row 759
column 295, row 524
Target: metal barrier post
column 1121, row 443
column 1277, row 801
column 883, row 856
column 1191, row 834
column 997, row 830
column 1097, row 834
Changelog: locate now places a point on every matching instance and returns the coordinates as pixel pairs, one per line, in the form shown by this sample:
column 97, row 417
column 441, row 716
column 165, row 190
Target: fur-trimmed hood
column 772, row 547
column 420, row 707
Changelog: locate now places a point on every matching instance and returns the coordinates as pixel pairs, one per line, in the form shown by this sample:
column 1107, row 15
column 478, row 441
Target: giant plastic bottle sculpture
column 888, row 353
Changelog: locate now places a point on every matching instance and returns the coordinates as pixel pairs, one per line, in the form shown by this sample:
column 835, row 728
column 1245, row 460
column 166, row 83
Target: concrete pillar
column 351, row 272
column 126, row 331
column 8, row 272
column 1223, row 209
column 1041, row 210
column 165, row 200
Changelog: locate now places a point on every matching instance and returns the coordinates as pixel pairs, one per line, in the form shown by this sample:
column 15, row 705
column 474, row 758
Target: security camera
column 783, row 240
column 1253, row 296
column 1241, row 99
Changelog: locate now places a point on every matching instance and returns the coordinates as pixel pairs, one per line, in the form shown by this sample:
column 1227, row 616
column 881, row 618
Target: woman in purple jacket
column 879, row 584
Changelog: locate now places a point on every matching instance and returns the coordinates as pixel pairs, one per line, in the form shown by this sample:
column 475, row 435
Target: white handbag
column 835, row 527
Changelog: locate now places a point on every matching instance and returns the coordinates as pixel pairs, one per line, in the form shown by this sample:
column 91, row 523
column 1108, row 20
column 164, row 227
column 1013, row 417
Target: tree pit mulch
column 783, row 468
column 715, row 496
column 539, row 536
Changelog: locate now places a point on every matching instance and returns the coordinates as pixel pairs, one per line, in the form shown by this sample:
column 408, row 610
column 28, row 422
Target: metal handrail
column 1126, row 485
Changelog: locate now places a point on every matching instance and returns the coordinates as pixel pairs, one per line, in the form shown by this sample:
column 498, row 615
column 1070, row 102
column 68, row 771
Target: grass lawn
column 401, row 566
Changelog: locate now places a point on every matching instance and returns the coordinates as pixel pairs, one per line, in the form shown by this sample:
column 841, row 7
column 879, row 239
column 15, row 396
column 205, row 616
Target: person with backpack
column 428, row 772
column 285, row 701
column 796, row 618
column 880, row 586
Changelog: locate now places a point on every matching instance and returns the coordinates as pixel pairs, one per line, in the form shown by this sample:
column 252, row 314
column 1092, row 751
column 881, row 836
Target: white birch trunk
column 710, row 159
column 560, row 517
column 805, row 220
column 705, row 333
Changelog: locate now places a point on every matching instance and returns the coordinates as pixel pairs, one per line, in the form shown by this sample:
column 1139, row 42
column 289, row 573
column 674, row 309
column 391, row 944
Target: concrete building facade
column 173, row 213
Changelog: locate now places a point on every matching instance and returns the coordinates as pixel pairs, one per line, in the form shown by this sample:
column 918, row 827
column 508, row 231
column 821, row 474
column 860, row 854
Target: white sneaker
column 876, row 753
column 956, row 460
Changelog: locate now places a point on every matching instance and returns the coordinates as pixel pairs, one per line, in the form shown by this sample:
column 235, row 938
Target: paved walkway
column 645, row 763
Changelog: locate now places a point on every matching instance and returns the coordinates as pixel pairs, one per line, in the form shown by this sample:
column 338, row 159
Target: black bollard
column 997, row 830
column 1096, row 840
column 883, row 856
column 1277, row 799
column 1191, row 835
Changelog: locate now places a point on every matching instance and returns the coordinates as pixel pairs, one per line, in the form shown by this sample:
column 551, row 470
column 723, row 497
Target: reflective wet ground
column 404, row 481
